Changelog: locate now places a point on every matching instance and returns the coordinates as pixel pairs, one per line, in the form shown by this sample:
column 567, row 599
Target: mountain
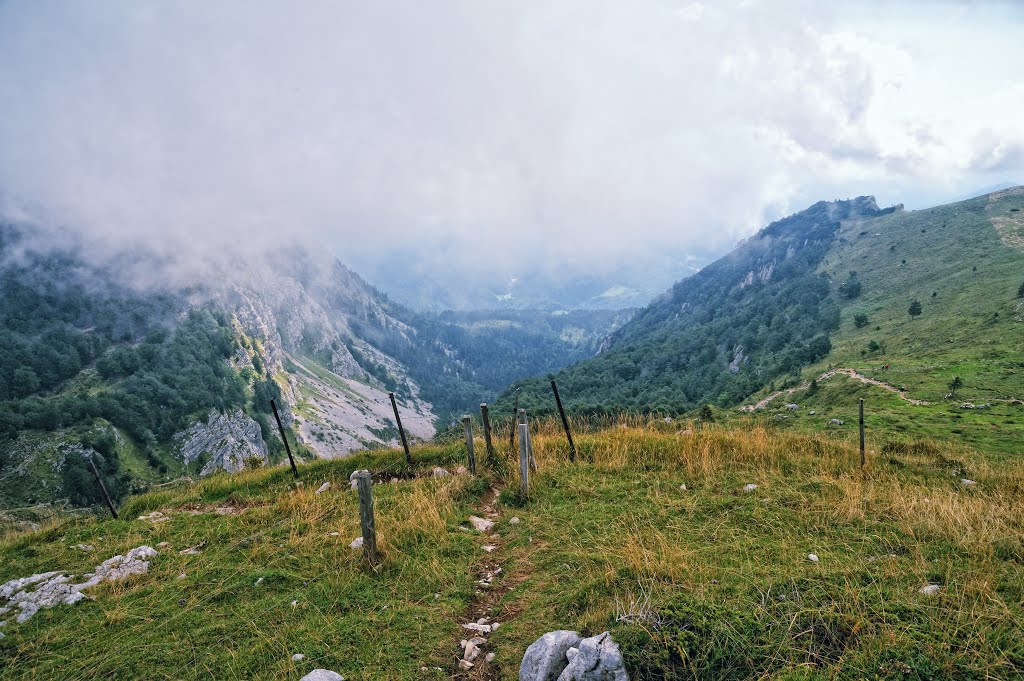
column 785, row 307
column 171, row 381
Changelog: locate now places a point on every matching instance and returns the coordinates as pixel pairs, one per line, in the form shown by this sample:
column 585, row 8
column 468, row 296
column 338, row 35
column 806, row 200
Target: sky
column 491, row 138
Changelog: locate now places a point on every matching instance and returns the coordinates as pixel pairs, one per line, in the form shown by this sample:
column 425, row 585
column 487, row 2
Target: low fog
column 489, row 138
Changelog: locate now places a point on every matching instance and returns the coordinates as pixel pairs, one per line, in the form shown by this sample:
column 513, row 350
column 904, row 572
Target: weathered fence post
column 401, row 431
column 103, row 488
column 366, row 520
column 863, row 456
column 287, row 448
column 529, row 445
column 467, row 423
column 524, row 460
column 565, row 422
column 487, row 432
column 512, row 428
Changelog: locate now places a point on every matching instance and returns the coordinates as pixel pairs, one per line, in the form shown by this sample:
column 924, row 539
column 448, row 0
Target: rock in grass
column 322, row 675
column 682, row 488
column 545, row 658
column 513, row 521
column 354, row 474
column 595, row 659
column 323, row 488
column 480, row 524
column 836, row 422
column 298, row 657
column 813, row 557
column 967, row 483
column 357, row 543
column 929, row 590
column 439, row 472
column 749, row 487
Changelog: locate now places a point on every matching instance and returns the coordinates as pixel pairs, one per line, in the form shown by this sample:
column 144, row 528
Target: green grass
column 716, row 581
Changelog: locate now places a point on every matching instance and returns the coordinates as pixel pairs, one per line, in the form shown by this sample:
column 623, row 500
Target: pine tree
column 915, row 308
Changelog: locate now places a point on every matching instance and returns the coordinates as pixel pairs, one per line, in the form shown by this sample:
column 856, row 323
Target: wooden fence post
column 287, row 448
column 487, row 432
column 529, row 444
column 467, row 423
column 366, row 520
column 103, row 488
column 565, row 422
column 401, row 431
column 863, row 456
column 524, row 461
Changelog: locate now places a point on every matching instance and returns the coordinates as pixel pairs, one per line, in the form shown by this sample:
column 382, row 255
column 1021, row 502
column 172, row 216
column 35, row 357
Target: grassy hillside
column 725, row 338
column 966, row 274
column 710, row 582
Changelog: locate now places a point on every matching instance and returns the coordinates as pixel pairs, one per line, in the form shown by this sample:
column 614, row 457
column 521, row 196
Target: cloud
column 493, row 137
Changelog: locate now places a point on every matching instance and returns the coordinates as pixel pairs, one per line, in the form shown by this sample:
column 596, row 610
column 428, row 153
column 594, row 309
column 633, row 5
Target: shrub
column 860, row 320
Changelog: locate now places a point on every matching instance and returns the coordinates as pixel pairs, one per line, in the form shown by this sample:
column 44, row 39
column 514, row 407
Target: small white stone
column 750, row 487
column 513, row 521
column 357, row 543
column 967, row 483
column 465, row 665
column 488, row 547
column 461, row 470
column 482, row 628
column 298, row 657
column 682, row 488
column 495, row 625
column 489, row 657
column 258, row 582
column 439, row 472
column 295, row 604
column 480, row 524
column 813, row 557
column 323, row 488
column 182, row 576
column 929, row 590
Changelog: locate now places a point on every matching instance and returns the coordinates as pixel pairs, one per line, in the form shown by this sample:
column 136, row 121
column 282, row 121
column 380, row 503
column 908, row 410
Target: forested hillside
column 756, row 314
column 162, row 382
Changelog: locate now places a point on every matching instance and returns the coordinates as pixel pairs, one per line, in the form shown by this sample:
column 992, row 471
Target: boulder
column 595, row 659
column 223, row 441
column 322, row 675
column 439, row 472
column 836, row 422
column 545, row 658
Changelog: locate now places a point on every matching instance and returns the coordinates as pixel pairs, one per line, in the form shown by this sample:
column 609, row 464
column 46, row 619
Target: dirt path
column 493, row 582
column 851, row 373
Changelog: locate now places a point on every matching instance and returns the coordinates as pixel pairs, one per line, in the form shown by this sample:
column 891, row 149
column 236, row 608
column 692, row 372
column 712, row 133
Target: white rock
column 439, row 472
column 480, row 524
column 489, row 657
column 545, row 658
column 465, row 665
column 967, row 483
column 323, row 488
column 353, row 485
column 471, row 652
column 298, row 657
column 295, row 604
column 357, row 543
column 750, row 487
column 258, row 582
column 597, row 659
column 322, row 675
column 50, row 589
column 813, row 557
column 84, row 547
column 482, row 628
column 182, row 576
column 514, row 521
column 488, row 547
column 929, row 590
column 461, row 470
column 682, row 488
column 494, row 626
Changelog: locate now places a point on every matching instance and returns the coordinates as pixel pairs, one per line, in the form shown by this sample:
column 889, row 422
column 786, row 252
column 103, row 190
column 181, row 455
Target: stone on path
column 480, row 524
column 545, row 659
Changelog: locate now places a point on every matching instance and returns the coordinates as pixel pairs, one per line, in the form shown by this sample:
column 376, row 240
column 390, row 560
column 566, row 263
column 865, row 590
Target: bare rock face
column 596, row 659
column 226, row 440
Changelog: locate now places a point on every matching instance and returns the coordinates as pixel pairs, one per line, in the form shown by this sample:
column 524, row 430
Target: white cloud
column 569, row 134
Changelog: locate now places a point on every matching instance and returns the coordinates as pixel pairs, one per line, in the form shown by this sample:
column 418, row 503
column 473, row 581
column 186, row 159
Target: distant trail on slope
column 851, row 373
